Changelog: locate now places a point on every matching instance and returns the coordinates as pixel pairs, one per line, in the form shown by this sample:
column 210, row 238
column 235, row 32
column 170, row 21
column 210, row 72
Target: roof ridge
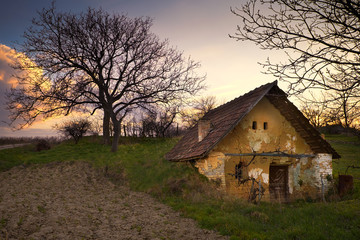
column 274, row 83
column 227, row 116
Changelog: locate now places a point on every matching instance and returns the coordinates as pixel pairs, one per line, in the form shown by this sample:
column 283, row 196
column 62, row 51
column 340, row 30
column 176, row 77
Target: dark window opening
column 238, row 171
column 265, row 125
column 254, row 125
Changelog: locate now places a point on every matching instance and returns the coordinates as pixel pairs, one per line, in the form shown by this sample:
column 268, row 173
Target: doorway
column 278, row 183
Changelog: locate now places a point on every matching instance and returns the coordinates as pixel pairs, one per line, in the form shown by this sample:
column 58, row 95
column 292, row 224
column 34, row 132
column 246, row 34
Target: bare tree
column 315, row 113
column 320, row 38
column 333, row 107
column 158, row 120
column 345, row 103
column 97, row 123
column 197, row 110
column 109, row 62
column 75, row 128
column 166, row 117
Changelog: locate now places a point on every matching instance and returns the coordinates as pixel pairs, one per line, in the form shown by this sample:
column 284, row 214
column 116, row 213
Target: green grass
column 180, row 186
column 349, row 149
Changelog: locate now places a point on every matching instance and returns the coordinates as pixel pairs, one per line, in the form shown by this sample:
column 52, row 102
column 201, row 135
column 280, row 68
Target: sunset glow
column 201, row 32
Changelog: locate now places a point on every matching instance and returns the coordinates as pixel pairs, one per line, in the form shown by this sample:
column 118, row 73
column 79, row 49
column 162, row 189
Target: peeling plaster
column 265, row 178
column 288, row 145
column 213, row 166
column 322, row 167
column 304, row 161
column 255, row 172
column 255, row 145
column 294, row 177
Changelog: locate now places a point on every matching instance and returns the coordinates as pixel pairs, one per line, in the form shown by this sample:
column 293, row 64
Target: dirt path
column 73, row 201
column 12, row 145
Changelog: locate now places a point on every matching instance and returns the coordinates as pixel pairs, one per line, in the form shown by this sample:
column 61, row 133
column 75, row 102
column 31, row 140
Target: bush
column 42, row 144
column 75, row 128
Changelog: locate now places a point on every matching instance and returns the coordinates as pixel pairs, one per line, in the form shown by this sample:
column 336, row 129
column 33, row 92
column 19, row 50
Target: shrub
column 75, row 128
column 42, row 144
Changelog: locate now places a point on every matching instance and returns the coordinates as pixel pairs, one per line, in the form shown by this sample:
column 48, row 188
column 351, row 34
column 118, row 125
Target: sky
column 200, row 28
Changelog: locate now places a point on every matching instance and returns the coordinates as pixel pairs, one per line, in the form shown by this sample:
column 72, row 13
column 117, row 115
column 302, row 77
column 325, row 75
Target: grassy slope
column 181, row 187
column 349, row 149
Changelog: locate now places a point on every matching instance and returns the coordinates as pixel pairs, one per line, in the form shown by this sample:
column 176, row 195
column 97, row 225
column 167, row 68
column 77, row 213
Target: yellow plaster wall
column 213, row 167
column 280, row 136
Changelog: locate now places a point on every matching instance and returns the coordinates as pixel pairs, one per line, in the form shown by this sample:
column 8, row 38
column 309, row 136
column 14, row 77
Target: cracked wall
column 213, row 167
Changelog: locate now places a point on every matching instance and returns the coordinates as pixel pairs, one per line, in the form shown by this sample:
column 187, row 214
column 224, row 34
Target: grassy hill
column 140, row 163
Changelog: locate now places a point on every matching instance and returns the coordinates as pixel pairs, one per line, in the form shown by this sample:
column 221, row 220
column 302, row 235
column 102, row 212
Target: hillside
column 140, row 165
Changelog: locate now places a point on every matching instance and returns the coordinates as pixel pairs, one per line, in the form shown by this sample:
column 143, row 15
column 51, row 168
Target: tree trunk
column 106, row 128
column 345, row 114
column 117, row 131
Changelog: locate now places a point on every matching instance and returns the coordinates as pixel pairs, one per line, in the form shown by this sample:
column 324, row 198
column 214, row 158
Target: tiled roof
column 224, row 118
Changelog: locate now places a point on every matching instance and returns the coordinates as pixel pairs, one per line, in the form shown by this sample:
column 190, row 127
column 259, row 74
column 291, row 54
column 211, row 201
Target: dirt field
column 74, row 201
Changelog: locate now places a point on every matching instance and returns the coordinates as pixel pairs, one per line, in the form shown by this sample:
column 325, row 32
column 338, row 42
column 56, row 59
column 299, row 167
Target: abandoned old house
column 259, row 143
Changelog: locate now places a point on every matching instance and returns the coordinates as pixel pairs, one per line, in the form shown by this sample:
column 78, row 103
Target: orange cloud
column 8, row 57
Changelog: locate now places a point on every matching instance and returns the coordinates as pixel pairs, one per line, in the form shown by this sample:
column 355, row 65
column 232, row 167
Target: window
column 238, row 171
column 265, row 125
column 254, row 125
column 241, row 172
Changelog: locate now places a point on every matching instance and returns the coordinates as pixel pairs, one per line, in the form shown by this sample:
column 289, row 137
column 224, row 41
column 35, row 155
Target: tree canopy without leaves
column 199, row 108
column 321, row 39
column 75, row 128
column 102, row 61
column 332, row 108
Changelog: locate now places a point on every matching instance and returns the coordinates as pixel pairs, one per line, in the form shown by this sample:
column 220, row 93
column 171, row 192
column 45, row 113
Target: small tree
column 156, row 123
column 75, row 128
column 198, row 109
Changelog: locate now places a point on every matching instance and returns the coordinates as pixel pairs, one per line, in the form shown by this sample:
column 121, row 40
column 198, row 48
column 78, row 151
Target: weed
column 260, row 216
column 136, row 227
column 3, row 222
column 20, row 222
column 41, row 209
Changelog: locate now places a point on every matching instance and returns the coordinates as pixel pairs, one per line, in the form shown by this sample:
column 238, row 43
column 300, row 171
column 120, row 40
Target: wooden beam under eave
column 270, row 154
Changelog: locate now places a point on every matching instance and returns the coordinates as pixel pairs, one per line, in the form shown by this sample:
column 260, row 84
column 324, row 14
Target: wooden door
column 278, row 181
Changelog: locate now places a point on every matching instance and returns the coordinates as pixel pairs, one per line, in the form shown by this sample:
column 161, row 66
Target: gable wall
column 280, row 136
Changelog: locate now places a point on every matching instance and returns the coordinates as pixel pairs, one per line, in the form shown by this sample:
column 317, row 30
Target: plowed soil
column 75, row 201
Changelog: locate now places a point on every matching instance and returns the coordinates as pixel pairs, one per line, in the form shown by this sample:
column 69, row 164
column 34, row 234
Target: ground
column 74, row 201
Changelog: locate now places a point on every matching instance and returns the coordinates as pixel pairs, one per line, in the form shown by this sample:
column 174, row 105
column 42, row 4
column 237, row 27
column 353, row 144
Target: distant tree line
column 162, row 121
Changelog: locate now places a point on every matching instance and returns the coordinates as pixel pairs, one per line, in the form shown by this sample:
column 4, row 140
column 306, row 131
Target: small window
column 265, row 125
column 238, row 171
column 254, row 125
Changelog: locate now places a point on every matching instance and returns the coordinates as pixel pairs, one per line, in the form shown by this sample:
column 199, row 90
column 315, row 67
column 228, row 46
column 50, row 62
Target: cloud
column 8, row 57
column 7, row 80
